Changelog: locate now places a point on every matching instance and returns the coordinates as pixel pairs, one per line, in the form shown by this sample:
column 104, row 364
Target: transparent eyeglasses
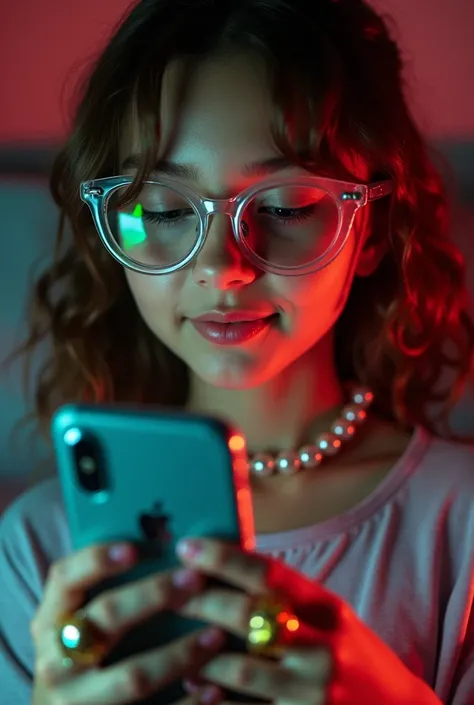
column 286, row 226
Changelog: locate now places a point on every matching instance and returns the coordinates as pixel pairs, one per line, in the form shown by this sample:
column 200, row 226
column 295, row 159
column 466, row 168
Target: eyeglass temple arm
column 379, row 190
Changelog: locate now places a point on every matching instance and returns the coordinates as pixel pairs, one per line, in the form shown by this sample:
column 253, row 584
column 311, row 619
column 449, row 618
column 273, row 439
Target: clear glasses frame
column 348, row 196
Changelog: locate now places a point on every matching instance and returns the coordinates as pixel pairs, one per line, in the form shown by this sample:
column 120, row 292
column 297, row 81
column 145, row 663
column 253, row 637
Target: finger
column 118, row 609
column 207, row 696
column 231, row 611
column 225, row 561
column 310, row 663
column 112, row 613
column 313, row 605
column 252, row 573
column 261, row 678
column 51, row 666
column 69, row 578
column 139, row 676
column 227, row 609
column 205, row 693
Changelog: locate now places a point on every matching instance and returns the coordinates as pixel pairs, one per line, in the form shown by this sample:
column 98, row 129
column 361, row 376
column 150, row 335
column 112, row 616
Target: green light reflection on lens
column 132, row 232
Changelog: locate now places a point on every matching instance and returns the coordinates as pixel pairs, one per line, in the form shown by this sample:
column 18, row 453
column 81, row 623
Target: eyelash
column 152, row 217
column 301, row 215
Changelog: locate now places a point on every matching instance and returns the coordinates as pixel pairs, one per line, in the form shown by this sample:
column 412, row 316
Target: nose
column 220, row 264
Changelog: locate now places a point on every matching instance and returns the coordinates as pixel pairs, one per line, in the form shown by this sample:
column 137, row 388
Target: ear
column 370, row 258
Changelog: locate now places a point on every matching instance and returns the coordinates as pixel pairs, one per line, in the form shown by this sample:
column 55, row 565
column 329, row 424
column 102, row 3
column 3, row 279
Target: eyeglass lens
column 287, row 225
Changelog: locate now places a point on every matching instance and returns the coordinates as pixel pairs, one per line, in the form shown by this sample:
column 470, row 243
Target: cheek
column 324, row 292
column 156, row 297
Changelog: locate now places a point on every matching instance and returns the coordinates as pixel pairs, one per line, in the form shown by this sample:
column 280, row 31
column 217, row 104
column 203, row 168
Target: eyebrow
column 192, row 171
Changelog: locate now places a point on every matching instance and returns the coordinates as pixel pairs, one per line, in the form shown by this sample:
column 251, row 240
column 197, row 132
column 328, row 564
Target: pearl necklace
column 289, row 462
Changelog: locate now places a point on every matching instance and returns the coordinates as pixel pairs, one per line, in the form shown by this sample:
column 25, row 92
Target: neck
column 279, row 414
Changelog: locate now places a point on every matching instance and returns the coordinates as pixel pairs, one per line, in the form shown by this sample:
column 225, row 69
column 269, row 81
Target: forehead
column 222, row 104
column 217, row 113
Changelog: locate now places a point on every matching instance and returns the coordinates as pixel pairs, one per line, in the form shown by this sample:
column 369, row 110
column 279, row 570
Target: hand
column 334, row 659
column 114, row 612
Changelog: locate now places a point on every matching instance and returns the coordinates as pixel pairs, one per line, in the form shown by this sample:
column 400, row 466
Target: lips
column 233, row 327
column 237, row 316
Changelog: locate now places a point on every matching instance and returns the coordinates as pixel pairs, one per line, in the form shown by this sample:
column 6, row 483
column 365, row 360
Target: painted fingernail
column 191, row 686
column 211, row 639
column 189, row 548
column 210, row 695
column 122, row 553
column 185, row 578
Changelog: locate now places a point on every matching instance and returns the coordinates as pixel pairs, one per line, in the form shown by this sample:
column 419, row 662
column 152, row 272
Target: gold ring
column 81, row 643
column 270, row 627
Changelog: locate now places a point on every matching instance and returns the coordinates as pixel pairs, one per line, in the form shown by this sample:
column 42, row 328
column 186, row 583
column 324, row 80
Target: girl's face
column 222, row 125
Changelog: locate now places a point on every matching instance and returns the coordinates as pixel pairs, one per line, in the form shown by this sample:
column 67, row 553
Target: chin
column 232, row 380
column 236, row 375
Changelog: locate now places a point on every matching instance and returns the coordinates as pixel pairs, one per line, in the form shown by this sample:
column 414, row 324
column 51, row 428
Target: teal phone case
column 169, row 475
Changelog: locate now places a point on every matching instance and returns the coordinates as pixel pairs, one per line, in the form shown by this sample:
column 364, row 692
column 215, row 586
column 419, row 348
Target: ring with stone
column 81, row 642
column 272, row 625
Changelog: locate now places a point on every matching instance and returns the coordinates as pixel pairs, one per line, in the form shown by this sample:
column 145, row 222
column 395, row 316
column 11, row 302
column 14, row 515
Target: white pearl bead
column 344, row 429
column 262, row 464
column 354, row 414
column 328, row 443
column 362, row 396
column 310, row 456
column 288, row 462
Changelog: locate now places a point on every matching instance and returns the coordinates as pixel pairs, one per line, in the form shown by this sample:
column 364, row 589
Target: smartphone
column 151, row 476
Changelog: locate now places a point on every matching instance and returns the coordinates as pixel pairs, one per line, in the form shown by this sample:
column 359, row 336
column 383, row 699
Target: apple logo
column 155, row 526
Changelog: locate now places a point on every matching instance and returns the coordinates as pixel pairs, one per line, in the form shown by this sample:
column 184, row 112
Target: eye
column 290, row 215
column 167, row 217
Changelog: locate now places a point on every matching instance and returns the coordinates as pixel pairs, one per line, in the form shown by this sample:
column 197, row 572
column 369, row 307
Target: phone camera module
column 88, row 460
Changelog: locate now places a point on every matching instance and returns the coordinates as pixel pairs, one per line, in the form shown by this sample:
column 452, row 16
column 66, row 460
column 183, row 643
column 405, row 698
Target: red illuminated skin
column 331, row 655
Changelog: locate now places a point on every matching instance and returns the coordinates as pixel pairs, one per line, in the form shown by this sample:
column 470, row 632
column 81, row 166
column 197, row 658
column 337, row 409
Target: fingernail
column 211, row 638
column 211, row 694
column 191, row 686
column 121, row 553
column 189, row 548
column 185, row 578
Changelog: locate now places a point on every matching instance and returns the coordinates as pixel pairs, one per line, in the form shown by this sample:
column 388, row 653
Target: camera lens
column 88, row 461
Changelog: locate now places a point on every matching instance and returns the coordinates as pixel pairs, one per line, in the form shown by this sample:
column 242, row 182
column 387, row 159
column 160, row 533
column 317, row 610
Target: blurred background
column 43, row 46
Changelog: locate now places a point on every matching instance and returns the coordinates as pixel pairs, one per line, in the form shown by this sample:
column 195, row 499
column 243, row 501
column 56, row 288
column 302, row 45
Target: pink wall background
column 42, row 40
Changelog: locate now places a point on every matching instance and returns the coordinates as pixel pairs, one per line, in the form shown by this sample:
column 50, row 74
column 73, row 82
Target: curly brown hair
column 337, row 84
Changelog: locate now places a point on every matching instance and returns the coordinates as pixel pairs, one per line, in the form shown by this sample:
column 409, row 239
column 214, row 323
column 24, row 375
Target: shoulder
column 441, row 494
column 33, row 535
column 35, row 504
column 435, row 473
column 447, row 463
column 35, row 525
